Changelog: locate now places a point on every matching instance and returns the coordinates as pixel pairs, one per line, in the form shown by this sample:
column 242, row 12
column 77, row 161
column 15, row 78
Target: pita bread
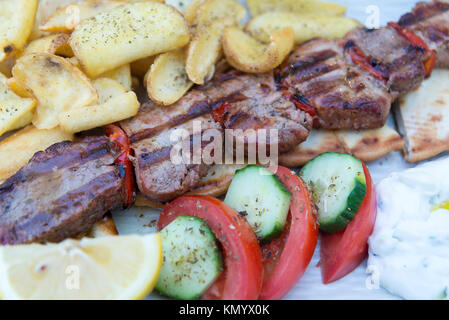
column 370, row 145
column 423, row 118
column 319, row 141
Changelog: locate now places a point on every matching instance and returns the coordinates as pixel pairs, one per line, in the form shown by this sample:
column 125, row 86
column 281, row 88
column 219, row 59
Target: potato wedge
column 305, row 27
column 15, row 112
column 190, row 11
column 107, row 89
column 167, row 80
column 121, row 74
column 122, row 35
column 12, row 113
column 257, row 7
column 57, row 44
column 114, row 104
column 140, row 67
column 249, row 55
column 205, row 50
column 181, row 5
column 55, row 83
column 18, row 89
column 24, row 144
column 44, row 10
column 16, row 23
column 66, row 19
column 212, row 10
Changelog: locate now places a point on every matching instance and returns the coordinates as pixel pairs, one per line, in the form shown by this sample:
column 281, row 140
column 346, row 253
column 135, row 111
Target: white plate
column 353, row 286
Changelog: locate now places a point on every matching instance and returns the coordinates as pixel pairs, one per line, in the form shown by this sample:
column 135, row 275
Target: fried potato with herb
column 44, row 10
column 249, row 55
column 16, row 23
column 305, row 27
column 167, row 80
column 211, row 10
column 190, row 11
column 66, row 19
column 121, row 74
column 127, row 33
column 257, row 7
column 24, row 144
column 15, row 112
column 55, row 83
column 57, row 44
column 205, row 50
column 114, row 104
column 181, row 5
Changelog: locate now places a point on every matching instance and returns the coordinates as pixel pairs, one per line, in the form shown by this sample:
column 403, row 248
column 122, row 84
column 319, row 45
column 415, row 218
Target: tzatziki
column 409, row 247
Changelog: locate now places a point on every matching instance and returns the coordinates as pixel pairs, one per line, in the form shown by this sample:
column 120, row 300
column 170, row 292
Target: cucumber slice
column 338, row 186
column 191, row 261
column 262, row 198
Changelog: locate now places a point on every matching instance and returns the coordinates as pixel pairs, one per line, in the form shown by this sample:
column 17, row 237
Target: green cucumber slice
column 338, row 186
column 191, row 261
column 258, row 195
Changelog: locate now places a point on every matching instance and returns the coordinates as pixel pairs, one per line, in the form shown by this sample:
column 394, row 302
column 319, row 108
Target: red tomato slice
column 243, row 275
column 285, row 259
column 343, row 251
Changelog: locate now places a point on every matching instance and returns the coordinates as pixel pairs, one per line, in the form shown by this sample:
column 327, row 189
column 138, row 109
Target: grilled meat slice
column 430, row 22
column 400, row 63
column 60, row 193
column 343, row 95
column 230, row 101
column 161, row 171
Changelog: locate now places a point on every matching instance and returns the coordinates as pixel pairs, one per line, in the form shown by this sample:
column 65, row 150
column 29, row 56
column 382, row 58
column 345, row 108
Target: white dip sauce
column 409, row 248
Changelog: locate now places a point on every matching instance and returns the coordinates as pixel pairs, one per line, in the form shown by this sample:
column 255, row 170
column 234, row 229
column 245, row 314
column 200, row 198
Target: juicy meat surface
column 161, row 172
column 230, row 101
column 431, row 22
column 60, row 193
column 343, row 95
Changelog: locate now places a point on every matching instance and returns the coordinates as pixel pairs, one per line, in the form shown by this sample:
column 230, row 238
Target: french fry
column 24, row 144
column 16, row 23
column 122, row 35
column 55, row 83
column 114, row 104
column 57, row 44
column 167, row 79
column 205, row 50
column 249, row 55
column 66, row 19
column 121, row 74
column 305, row 27
column 212, row 10
column 257, row 7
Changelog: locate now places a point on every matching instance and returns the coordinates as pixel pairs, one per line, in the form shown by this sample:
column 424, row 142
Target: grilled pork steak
column 60, row 193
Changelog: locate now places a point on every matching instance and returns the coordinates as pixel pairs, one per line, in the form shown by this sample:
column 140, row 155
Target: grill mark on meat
column 422, row 12
column 156, row 156
column 60, row 193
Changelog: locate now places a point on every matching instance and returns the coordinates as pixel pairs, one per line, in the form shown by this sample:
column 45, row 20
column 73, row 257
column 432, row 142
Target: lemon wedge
column 120, row 267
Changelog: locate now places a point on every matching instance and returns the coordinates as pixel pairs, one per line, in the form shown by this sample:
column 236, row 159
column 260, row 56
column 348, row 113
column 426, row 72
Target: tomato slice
column 119, row 137
column 243, row 275
column 343, row 251
column 285, row 259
